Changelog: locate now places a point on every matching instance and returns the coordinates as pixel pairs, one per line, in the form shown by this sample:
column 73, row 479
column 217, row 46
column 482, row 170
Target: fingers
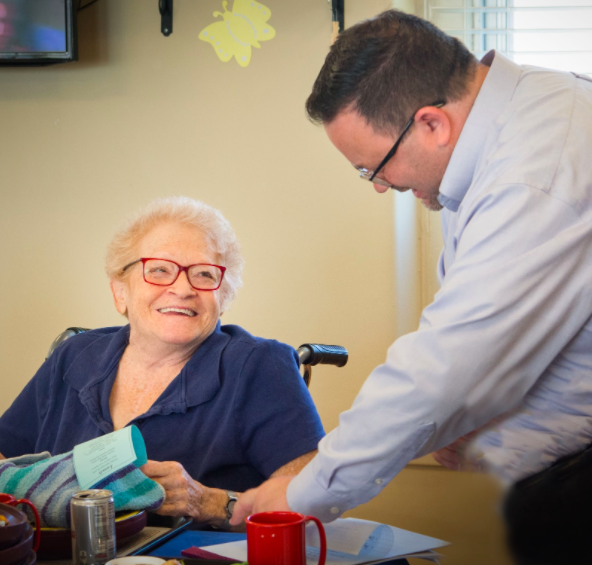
column 176, row 483
column 447, row 458
column 154, row 469
column 270, row 496
column 166, row 509
column 244, row 507
column 167, row 473
column 456, row 457
column 176, row 503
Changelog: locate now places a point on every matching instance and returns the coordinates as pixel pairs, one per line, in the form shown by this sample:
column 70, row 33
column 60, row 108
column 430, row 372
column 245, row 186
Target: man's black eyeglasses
column 371, row 175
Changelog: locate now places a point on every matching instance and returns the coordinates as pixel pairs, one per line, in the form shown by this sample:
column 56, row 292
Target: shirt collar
column 97, row 360
column 496, row 91
column 202, row 371
column 94, row 370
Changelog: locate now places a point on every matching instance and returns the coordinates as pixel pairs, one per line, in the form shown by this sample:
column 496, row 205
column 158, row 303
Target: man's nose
column 380, row 188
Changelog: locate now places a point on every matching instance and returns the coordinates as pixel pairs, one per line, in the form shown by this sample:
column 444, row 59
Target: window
column 546, row 33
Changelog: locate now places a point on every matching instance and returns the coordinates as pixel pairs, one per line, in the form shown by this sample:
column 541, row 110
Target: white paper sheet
column 349, row 542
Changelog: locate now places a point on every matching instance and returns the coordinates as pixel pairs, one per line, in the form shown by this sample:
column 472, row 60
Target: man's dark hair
column 387, row 68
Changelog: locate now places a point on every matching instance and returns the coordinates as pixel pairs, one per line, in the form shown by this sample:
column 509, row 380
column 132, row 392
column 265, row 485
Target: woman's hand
column 185, row 496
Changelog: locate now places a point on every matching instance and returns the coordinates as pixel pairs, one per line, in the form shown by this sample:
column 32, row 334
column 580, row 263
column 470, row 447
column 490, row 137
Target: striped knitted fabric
column 49, row 483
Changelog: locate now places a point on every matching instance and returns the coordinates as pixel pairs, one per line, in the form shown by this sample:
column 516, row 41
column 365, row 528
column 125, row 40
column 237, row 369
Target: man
column 504, row 151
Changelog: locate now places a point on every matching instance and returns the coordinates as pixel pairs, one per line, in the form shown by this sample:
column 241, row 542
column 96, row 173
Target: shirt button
column 334, row 510
column 378, row 481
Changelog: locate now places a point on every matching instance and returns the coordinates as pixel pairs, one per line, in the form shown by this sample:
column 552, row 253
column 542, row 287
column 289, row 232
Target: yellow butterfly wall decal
column 240, row 30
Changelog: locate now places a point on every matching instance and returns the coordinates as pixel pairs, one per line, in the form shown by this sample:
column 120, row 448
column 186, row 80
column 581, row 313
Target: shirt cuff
column 307, row 496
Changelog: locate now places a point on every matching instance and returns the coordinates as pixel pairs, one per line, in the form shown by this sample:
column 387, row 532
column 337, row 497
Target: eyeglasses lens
column 365, row 174
column 205, row 276
column 161, row 272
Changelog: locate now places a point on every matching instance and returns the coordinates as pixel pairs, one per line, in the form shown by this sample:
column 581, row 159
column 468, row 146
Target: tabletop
column 196, row 538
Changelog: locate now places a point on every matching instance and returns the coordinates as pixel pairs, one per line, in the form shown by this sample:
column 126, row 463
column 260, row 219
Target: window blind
column 546, row 33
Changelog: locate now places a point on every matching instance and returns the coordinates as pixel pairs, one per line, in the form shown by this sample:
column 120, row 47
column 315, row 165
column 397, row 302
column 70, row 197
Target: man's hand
column 270, row 496
column 185, row 496
column 449, row 457
column 454, row 457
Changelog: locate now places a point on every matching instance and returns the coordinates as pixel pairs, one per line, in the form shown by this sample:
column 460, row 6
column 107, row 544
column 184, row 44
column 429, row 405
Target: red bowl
column 20, row 551
column 16, row 528
column 56, row 543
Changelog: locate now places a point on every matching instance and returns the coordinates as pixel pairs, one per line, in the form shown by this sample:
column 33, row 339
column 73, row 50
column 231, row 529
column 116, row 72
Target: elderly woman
column 219, row 409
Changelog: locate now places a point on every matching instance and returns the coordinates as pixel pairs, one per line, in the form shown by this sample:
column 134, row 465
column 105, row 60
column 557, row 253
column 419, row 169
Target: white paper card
column 98, row 458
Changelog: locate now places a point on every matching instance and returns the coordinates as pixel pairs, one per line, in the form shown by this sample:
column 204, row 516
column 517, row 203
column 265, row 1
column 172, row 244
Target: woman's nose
column 182, row 286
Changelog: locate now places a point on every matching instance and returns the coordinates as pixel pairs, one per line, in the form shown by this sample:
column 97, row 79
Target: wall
column 141, row 116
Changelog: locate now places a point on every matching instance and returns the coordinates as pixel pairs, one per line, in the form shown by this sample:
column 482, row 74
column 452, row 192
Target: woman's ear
column 118, row 289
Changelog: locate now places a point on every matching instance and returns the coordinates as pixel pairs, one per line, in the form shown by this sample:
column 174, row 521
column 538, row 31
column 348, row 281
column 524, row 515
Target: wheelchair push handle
column 319, row 354
column 69, row 332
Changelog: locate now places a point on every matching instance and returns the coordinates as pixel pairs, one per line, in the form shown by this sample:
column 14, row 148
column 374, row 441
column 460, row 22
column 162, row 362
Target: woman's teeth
column 185, row 311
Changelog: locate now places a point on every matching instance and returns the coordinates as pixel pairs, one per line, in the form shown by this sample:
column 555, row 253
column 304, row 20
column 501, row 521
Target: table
column 197, row 538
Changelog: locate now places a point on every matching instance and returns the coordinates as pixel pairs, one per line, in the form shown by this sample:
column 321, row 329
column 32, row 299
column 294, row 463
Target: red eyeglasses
column 162, row 272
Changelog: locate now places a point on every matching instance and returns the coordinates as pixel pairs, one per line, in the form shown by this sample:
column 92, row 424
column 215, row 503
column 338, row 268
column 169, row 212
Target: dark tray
column 56, row 543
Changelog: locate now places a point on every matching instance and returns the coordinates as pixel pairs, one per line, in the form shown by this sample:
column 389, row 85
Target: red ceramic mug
column 12, row 501
column 277, row 538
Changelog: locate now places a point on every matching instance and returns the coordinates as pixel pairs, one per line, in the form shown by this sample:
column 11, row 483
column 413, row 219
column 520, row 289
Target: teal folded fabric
column 49, row 483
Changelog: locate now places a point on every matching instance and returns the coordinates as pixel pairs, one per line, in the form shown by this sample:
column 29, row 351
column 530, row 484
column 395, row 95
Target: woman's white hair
column 186, row 211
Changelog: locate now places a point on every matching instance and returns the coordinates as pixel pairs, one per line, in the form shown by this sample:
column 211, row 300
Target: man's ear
column 118, row 289
column 435, row 125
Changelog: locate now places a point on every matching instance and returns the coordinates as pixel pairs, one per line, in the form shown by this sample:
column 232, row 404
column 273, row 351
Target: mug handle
column 37, row 520
column 323, row 551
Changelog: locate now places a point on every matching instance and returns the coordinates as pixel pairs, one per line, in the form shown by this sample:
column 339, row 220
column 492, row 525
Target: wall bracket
column 338, row 9
column 165, row 7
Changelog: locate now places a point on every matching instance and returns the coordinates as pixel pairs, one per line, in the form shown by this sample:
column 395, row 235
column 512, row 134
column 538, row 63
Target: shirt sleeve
column 517, row 293
column 275, row 414
column 20, row 425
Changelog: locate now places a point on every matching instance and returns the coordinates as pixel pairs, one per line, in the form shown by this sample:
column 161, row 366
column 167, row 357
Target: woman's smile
column 171, row 310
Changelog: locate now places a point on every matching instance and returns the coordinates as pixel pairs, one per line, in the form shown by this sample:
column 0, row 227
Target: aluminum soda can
column 92, row 515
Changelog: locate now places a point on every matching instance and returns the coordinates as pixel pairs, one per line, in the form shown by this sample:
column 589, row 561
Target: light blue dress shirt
column 509, row 334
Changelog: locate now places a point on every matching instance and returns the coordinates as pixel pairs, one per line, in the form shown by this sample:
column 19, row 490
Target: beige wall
column 142, row 116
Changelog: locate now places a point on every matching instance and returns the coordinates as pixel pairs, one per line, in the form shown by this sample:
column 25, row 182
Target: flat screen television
column 37, row 32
